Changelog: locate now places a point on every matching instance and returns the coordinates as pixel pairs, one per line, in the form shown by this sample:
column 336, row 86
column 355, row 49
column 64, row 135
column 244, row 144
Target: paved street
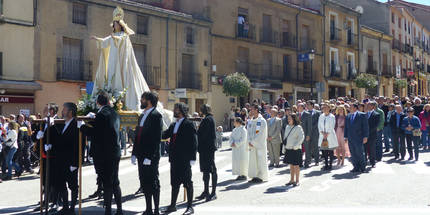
column 390, row 188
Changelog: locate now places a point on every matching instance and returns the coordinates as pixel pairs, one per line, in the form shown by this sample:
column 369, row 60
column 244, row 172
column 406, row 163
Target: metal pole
column 80, row 172
column 312, row 81
column 41, row 170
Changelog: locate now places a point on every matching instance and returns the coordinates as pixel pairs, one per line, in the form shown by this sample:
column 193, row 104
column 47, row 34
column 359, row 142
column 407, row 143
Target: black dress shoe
column 354, row 170
column 211, row 197
column 63, row 211
column 189, row 211
column 411, row 158
column 119, row 213
column 140, row 190
column 147, row 213
column 170, row 209
column 258, row 180
column 306, row 166
column 96, row 194
column 204, row 195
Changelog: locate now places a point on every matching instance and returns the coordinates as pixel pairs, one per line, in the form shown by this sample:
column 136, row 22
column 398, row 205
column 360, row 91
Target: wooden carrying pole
column 41, row 170
column 80, row 172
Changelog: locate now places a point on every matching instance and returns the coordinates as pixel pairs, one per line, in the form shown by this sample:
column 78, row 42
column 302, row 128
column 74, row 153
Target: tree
column 236, row 84
column 365, row 81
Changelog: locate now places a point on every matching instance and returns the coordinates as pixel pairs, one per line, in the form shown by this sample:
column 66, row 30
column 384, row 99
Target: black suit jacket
column 184, row 149
column 150, row 137
column 65, row 145
column 206, row 135
column 373, row 121
column 314, row 132
column 393, row 122
column 104, row 132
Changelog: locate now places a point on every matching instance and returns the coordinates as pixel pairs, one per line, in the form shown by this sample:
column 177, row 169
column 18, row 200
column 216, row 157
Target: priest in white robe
column 257, row 140
column 240, row 149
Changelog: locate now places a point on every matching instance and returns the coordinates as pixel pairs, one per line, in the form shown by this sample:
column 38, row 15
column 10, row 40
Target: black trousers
column 24, row 156
column 99, row 178
column 415, row 141
column 370, row 149
column 328, row 156
column 398, row 139
column 148, row 176
column 66, row 178
column 109, row 176
column 180, row 173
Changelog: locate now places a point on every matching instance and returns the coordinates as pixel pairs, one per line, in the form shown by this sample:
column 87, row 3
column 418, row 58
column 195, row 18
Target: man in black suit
column 106, row 150
column 65, row 146
column 206, row 149
column 146, row 150
column 182, row 155
column 311, row 139
column 373, row 121
column 397, row 133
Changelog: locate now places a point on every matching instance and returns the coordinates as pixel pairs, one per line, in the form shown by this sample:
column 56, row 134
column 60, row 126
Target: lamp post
column 417, row 63
column 311, row 58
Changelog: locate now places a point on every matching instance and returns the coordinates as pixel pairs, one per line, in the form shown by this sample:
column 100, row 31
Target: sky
column 425, row 2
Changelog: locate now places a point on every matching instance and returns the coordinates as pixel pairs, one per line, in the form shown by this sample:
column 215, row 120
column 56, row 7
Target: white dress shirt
column 145, row 115
column 66, row 125
column 177, row 124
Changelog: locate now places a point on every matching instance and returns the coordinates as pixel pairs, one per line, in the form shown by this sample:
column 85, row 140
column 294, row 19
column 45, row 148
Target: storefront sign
column 181, row 93
column 16, row 99
column 25, row 112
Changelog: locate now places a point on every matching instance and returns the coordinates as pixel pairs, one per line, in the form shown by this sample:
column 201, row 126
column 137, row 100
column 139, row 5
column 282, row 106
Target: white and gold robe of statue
column 240, row 153
column 118, row 69
column 257, row 136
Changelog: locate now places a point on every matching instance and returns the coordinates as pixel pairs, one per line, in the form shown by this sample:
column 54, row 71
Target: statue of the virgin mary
column 118, row 69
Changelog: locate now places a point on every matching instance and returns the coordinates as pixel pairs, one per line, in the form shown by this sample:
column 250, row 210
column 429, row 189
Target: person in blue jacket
column 411, row 125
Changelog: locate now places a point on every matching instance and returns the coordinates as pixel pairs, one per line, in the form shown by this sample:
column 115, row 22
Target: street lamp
column 417, row 63
column 311, row 58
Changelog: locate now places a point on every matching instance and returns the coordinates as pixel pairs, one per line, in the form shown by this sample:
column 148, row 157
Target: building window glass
column 1, row 6
column 79, row 14
column 1, row 63
column 190, row 36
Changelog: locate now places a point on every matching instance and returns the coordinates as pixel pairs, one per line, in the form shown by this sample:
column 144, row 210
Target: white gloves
column 51, row 120
column 146, row 162
column 72, row 168
column 48, row 147
column 91, row 115
column 80, row 124
column 39, row 135
column 192, row 163
column 133, row 160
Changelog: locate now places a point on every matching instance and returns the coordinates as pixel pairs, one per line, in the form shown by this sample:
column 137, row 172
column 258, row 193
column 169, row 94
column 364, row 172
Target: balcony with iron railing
column 260, row 71
column 189, row 80
column 243, row 32
column 335, row 70
column 307, row 44
column 152, row 75
column 288, row 40
column 386, row 71
column 335, row 34
column 351, row 72
column 352, row 39
column 372, row 68
column 396, row 44
column 417, row 42
column 268, row 36
column 428, row 68
column 74, row 70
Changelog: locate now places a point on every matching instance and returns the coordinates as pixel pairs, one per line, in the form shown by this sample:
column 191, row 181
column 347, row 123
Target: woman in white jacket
column 327, row 138
column 10, row 141
column 240, row 150
column 292, row 149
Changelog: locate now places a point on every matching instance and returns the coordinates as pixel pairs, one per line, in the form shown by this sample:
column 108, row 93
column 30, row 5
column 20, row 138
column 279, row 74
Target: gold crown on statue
column 118, row 14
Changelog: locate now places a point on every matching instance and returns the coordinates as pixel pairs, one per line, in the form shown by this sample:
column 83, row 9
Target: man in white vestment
column 257, row 140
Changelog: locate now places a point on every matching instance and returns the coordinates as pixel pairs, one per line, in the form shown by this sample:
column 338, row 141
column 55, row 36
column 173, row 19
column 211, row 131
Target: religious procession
column 122, row 140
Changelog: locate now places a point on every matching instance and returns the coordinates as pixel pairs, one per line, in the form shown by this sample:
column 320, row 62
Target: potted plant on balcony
column 236, row 84
column 365, row 81
column 400, row 83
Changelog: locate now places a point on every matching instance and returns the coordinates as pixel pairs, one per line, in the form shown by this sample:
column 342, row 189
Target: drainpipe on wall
column 297, row 40
column 167, row 52
column 323, row 53
column 380, row 65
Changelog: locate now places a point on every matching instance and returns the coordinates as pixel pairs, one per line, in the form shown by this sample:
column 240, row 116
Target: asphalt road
column 390, row 188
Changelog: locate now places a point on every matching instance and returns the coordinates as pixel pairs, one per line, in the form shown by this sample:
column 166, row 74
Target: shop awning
column 19, row 85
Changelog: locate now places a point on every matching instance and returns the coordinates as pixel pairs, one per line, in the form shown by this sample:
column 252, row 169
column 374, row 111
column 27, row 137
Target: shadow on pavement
column 316, row 173
column 242, row 186
column 228, row 182
column 347, row 175
column 278, row 189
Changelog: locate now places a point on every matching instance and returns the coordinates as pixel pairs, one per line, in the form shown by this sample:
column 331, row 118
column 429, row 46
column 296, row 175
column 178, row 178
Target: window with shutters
column 79, row 14
column 142, row 25
column 1, row 7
